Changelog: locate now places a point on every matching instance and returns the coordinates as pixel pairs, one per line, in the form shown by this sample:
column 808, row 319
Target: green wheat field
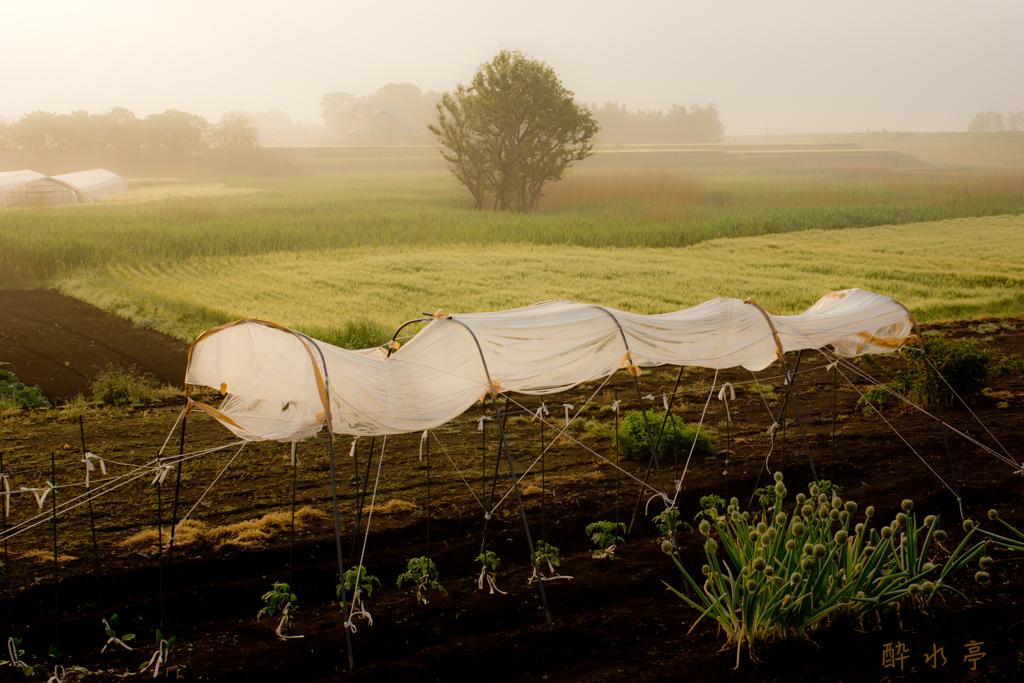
column 351, row 240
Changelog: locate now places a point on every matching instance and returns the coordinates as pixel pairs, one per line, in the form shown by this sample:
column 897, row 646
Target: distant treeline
column 678, row 125
column 120, row 134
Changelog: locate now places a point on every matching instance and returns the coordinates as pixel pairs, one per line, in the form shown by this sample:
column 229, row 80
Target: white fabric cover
column 272, row 392
column 94, row 185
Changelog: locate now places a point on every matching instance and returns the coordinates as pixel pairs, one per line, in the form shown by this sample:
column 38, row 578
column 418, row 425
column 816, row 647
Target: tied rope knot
column 627, row 362
column 540, row 413
column 774, row 428
column 161, row 473
column 486, row 576
column 358, row 610
column 90, row 466
column 669, row 503
column 493, row 389
column 423, row 440
column 727, row 394
column 40, row 494
column 832, row 365
column 480, row 423
column 615, row 406
column 649, row 397
column 286, row 621
column 664, row 401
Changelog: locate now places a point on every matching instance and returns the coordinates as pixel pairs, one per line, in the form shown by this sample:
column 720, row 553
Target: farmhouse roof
column 378, row 111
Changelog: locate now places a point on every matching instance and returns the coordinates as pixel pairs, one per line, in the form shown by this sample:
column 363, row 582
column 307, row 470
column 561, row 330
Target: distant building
column 377, row 124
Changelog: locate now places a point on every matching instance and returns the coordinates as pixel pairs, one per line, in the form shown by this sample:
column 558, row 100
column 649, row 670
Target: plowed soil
column 613, row 621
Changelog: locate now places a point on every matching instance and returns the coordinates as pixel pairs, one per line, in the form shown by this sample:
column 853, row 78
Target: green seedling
column 164, row 647
column 110, row 628
column 606, row 536
column 710, row 506
column 489, row 565
column 279, row 599
column 422, row 574
column 359, row 582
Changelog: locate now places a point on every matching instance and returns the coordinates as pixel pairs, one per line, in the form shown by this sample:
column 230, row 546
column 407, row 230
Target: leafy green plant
column 15, row 395
column 111, row 628
column 963, row 363
column 120, row 387
column 710, row 505
column 356, row 591
column 677, row 436
column 606, row 536
column 765, row 496
column 781, row 577
column 489, row 565
column 276, row 599
column 545, row 553
column 423, row 575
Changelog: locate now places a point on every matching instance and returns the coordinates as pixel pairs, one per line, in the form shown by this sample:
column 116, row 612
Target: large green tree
column 513, row 129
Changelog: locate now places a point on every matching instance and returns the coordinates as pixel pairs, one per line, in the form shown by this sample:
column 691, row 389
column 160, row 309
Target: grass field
column 377, row 235
column 404, row 197
column 956, row 268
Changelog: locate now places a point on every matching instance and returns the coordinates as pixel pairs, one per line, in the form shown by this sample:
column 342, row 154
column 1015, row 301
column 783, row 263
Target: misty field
column 949, row 269
column 404, row 198
column 357, row 236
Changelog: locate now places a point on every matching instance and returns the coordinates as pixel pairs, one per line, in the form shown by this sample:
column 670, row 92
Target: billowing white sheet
column 275, row 380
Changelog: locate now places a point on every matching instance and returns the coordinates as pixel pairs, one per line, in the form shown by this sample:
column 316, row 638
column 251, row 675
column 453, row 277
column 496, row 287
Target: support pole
column 647, row 474
column 174, row 516
column 494, row 486
column 361, row 501
column 617, row 496
column 428, row 491
column 92, row 527
column 522, row 512
column 291, row 534
column 511, row 469
column 7, row 559
column 935, row 399
column 938, row 412
column 345, row 608
column 796, row 409
column 832, row 465
column 56, row 596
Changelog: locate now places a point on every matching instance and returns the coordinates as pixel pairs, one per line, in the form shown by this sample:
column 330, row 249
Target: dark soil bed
column 614, row 621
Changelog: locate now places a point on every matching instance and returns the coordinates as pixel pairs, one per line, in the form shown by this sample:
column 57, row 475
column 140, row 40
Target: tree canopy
column 513, row 129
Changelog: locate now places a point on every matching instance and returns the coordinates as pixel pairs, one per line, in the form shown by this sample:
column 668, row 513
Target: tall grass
column 950, row 269
column 385, row 200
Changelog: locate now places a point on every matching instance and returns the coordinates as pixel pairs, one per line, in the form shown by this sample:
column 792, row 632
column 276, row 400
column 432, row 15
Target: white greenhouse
column 92, row 186
column 12, row 180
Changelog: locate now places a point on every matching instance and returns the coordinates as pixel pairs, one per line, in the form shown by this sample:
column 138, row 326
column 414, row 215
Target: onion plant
column 777, row 575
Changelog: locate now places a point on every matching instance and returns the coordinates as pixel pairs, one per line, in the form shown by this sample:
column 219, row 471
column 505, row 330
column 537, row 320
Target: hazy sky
column 788, row 66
